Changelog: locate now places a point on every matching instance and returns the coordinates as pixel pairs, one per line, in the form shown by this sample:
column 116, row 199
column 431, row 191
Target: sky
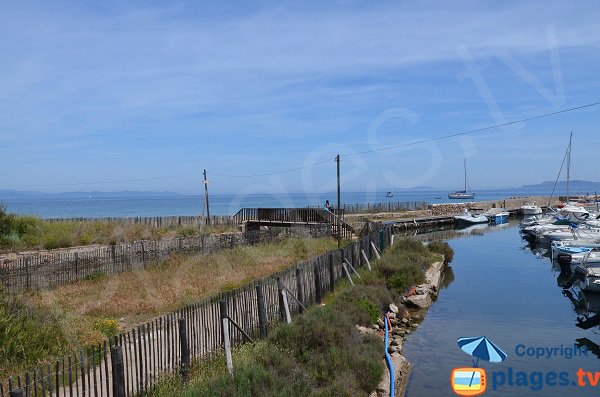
column 145, row 95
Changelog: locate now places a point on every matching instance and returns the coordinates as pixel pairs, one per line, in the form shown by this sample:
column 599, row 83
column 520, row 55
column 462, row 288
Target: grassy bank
column 86, row 312
column 29, row 232
column 322, row 353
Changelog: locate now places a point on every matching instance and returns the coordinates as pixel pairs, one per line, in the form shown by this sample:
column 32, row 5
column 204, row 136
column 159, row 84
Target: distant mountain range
column 574, row 186
column 16, row 194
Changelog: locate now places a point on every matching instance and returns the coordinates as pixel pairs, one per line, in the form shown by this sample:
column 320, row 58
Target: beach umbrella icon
column 482, row 348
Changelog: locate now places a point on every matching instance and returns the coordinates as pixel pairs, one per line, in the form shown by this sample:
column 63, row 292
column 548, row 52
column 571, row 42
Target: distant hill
column 16, row 194
column 574, row 186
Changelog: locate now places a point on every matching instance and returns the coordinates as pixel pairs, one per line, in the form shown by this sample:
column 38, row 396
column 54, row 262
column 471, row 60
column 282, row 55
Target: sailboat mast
column 465, row 163
column 569, row 164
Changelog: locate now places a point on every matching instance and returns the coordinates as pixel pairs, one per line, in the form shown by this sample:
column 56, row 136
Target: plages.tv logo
column 472, row 381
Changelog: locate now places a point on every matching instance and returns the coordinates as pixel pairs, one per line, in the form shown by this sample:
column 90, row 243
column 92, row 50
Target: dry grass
column 27, row 232
column 135, row 297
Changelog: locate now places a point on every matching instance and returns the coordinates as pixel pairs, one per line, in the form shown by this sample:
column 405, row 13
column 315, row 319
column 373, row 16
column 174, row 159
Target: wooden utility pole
column 339, row 212
column 206, row 199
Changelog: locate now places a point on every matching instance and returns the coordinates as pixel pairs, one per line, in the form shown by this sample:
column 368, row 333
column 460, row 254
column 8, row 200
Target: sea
column 222, row 204
column 501, row 287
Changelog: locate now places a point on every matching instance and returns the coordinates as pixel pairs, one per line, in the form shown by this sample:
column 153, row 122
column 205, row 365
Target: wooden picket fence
column 370, row 208
column 45, row 270
column 134, row 362
column 157, row 221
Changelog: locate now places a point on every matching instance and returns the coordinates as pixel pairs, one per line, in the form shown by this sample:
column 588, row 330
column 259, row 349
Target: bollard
column 185, row 350
column 262, row 311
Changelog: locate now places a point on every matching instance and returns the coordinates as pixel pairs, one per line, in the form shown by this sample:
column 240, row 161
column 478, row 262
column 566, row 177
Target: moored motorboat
column 531, row 209
column 467, row 218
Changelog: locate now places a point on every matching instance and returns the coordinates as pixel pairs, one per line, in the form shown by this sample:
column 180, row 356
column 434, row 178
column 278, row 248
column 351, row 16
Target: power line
column 474, row 131
column 113, row 181
column 332, row 158
column 274, row 172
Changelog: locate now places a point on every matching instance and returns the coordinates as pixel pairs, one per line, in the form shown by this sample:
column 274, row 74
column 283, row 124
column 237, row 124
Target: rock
column 396, row 342
column 380, row 323
column 414, row 325
column 399, row 332
column 365, row 330
column 404, row 320
column 407, row 331
column 392, row 315
column 419, row 301
column 393, row 308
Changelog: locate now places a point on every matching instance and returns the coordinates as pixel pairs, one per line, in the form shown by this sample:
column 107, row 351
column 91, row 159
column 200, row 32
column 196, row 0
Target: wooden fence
column 132, row 363
column 49, row 269
column 157, row 221
column 370, row 208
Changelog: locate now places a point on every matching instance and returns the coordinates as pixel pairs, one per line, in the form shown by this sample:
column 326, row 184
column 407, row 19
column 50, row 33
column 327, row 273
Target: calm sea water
column 503, row 291
column 219, row 204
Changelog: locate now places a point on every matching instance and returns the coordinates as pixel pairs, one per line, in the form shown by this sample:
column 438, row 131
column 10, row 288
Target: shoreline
column 415, row 305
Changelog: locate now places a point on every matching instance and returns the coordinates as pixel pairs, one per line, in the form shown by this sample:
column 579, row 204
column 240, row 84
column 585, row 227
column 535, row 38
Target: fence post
column 318, row 291
column 185, row 350
column 284, row 311
column 225, row 333
column 352, row 255
column 76, row 266
column 27, row 278
column 299, row 292
column 118, row 371
column 262, row 311
column 331, row 273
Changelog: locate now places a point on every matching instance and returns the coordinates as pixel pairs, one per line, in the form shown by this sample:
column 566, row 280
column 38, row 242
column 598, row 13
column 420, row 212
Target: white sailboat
column 462, row 194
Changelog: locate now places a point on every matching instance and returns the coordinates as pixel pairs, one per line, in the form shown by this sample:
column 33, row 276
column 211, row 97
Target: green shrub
column 443, row 248
column 370, row 308
column 402, row 281
column 108, row 326
column 28, row 335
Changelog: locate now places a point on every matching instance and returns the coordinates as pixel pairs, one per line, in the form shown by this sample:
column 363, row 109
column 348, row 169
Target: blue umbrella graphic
column 481, row 348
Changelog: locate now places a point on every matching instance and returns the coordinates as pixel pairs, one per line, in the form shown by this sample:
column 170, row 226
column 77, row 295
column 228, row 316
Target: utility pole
column 339, row 212
column 206, row 199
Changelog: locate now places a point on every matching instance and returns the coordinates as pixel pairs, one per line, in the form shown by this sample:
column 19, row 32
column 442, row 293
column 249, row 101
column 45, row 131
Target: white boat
column 462, row 194
column 468, row 218
column 497, row 215
column 531, row 209
column 574, row 213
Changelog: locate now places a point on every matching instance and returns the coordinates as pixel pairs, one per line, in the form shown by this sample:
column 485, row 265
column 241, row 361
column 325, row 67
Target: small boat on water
column 497, row 215
column 531, row 209
column 467, row 218
column 389, row 194
column 462, row 194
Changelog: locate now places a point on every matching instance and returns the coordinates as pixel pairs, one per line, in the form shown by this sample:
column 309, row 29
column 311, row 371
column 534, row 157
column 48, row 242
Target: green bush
column 370, row 308
column 443, row 248
column 28, row 335
column 402, row 281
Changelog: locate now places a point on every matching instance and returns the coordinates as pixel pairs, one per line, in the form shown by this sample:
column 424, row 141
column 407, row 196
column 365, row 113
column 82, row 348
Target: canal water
column 500, row 289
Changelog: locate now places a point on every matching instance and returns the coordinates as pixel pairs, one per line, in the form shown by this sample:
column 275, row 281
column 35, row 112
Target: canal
column 499, row 288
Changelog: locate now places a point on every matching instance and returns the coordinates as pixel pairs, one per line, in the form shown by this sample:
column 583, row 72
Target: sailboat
column 462, row 194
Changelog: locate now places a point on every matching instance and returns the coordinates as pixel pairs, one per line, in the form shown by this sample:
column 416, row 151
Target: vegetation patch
column 28, row 335
column 321, row 353
column 28, row 232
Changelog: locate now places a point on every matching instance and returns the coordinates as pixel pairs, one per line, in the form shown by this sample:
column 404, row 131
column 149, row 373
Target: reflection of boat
column 438, row 198
column 467, row 218
column 462, row 194
column 472, row 228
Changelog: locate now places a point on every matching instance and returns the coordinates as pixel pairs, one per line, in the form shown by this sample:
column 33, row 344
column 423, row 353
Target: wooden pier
column 254, row 218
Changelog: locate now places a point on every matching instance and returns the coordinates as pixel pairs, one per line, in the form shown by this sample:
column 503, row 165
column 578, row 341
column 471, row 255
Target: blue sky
column 111, row 91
